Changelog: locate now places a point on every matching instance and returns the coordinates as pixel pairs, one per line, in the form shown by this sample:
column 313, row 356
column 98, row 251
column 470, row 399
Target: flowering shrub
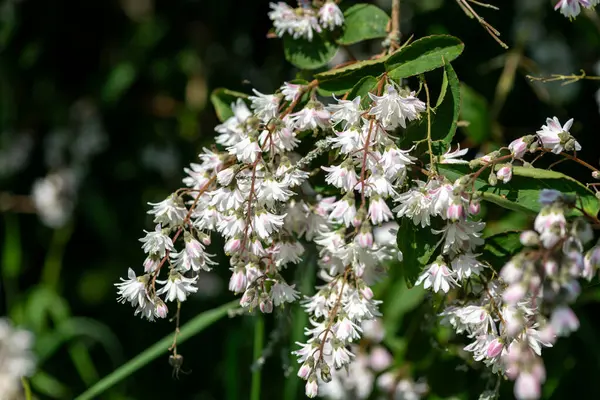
column 335, row 165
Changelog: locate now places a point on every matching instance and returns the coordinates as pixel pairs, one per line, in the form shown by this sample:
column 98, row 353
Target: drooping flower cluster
column 306, row 20
column 16, row 359
column 371, row 169
column 247, row 191
column 572, row 8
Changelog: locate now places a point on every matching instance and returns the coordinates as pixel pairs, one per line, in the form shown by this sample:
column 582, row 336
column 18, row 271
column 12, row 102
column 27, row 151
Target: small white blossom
column 177, row 287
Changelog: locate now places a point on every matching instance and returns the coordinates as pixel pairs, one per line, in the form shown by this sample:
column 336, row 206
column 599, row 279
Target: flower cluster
column 572, row 8
column 305, row 21
column 16, row 359
column 372, row 367
column 371, row 169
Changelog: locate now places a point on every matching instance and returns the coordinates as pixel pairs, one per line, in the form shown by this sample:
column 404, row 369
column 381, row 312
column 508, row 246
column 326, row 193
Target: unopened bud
column 492, row 179
column 325, row 373
column 596, row 174
column 529, row 238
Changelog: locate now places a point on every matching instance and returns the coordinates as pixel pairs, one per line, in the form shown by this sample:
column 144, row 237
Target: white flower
column 53, row 197
column 461, row 235
column 378, row 210
column 554, row 137
column 311, row 117
column 157, row 242
column 177, row 287
column 266, row 223
column 438, row 276
column 291, row 91
column 271, row 191
column 572, row 8
column 343, row 210
column 347, row 141
column 564, row 321
column 265, row 106
column 346, row 330
column 550, row 223
column 246, row 150
column 283, row 17
column 16, row 360
column 233, row 127
column 305, row 24
column 392, row 109
column 330, row 16
column 453, row 157
column 466, row 265
column 133, row 289
column 394, row 162
column 170, row 211
column 225, row 176
column 282, row 293
column 341, row 176
column 477, row 318
column 414, row 204
column 348, row 112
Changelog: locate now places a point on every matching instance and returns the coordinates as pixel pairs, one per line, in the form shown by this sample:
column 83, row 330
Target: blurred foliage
column 128, row 82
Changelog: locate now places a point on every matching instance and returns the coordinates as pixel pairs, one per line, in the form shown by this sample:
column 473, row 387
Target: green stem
column 259, row 337
column 26, row 388
column 431, row 157
column 53, row 262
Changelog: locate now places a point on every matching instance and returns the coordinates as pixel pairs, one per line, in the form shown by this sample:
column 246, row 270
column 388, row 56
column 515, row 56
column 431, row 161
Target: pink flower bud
column 514, row 293
column 527, row 386
column 380, row 359
column 474, row 207
column 266, row 305
column 160, row 309
column 529, row 238
column 518, row 147
column 311, row 388
column 232, row 246
column 238, row 281
column 365, row 239
column 505, row 173
column 304, row 371
column 248, row 298
column 494, row 348
column 454, row 211
column 367, row 292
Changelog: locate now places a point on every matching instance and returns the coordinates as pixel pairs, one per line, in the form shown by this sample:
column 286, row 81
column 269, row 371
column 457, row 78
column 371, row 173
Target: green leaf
column 191, row 328
column 499, row 248
column 222, row 99
column 118, row 82
column 362, row 89
column 474, row 110
column 423, row 55
column 445, row 118
column 363, row 22
column 342, row 80
column 308, row 55
column 523, row 190
column 417, row 246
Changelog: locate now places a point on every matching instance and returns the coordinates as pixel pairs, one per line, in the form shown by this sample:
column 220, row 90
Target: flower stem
column 259, row 333
column 431, row 158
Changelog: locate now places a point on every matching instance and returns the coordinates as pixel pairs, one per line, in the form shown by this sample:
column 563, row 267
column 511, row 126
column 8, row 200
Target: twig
column 466, row 7
column 568, row 79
